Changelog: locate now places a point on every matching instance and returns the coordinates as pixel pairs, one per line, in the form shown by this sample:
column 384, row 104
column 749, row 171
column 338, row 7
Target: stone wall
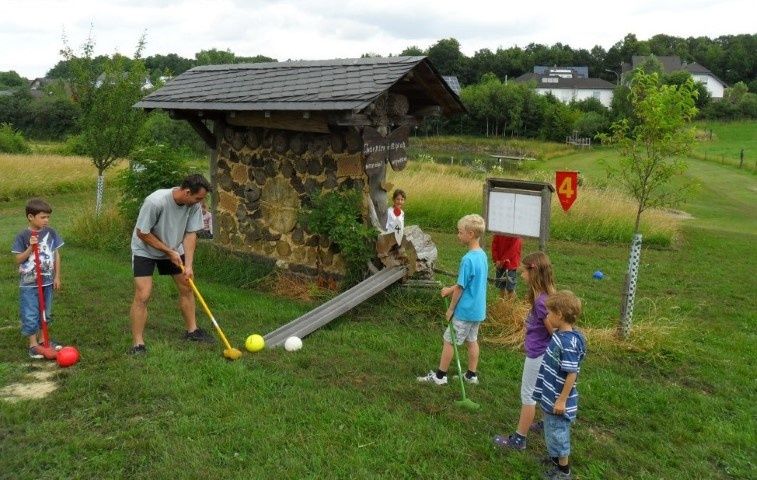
column 264, row 177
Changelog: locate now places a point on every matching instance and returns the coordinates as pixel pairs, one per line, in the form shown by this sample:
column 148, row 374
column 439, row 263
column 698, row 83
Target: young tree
column 109, row 124
column 650, row 155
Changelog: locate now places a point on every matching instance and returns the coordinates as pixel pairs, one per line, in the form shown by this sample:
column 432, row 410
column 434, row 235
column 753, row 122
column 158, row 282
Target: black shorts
column 144, row 266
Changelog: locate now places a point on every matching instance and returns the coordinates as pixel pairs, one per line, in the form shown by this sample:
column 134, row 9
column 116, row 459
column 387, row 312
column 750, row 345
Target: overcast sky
column 31, row 31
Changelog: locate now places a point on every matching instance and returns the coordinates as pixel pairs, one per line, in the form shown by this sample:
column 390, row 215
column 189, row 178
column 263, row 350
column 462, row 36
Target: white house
column 568, row 85
column 672, row 63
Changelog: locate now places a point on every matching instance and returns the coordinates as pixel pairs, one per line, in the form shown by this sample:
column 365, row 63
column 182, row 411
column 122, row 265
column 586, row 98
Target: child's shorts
column 556, row 435
column 506, row 279
column 465, row 331
column 528, row 380
column 29, row 309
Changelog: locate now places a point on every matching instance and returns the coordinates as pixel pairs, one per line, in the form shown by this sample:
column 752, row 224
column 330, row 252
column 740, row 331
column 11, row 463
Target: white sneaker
column 430, row 377
column 471, row 380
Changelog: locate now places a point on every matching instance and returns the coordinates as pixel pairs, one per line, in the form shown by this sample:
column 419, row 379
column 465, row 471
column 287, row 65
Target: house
column 282, row 132
column 673, row 63
column 569, row 84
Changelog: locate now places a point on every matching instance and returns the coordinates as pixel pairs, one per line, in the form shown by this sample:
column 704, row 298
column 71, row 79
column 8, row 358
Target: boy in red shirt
column 506, row 256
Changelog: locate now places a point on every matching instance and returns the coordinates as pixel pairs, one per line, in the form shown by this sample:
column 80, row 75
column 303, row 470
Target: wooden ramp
column 342, row 303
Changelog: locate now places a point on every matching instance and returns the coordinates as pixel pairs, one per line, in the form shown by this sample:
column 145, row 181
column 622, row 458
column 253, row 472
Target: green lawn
column 676, row 402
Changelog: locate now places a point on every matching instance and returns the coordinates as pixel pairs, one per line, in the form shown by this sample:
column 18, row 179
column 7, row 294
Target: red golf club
column 45, row 349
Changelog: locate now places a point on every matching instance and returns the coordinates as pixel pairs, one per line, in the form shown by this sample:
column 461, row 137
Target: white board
column 514, row 213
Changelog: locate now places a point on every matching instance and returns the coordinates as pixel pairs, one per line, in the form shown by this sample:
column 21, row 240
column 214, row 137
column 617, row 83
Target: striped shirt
column 564, row 354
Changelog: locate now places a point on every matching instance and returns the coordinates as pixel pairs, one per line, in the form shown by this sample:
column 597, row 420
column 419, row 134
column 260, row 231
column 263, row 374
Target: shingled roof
column 551, row 82
column 325, row 85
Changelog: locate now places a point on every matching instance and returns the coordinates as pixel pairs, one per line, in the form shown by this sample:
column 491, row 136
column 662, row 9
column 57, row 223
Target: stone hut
column 281, row 132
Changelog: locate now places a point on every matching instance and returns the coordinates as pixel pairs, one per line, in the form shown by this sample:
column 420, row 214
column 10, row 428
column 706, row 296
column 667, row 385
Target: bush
column 73, row 145
column 591, row 123
column 12, row 141
column 338, row 216
column 159, row 128
column 53, row 118
column 106, row 231
column 150, row 168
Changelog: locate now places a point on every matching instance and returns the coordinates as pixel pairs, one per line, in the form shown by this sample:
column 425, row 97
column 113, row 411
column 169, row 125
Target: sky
column 32, row 31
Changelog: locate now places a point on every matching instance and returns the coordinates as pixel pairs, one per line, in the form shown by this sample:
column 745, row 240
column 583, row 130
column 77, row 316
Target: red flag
column 566, row 184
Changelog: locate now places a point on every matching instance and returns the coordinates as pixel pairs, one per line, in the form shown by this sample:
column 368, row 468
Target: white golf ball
column 292, row 344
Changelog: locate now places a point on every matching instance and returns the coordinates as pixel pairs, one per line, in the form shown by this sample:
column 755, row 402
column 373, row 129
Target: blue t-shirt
column 474, row 268
column 49, row 242
column 564, row 354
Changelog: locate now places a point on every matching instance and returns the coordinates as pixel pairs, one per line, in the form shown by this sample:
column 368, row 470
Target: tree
column 412, row 51
column 446, row 56
column 215, row 57
column 109, row 124
column 649, row 156
column 11, row 79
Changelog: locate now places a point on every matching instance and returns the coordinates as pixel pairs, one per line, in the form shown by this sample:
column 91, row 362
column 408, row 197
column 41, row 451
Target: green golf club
column 465, row 402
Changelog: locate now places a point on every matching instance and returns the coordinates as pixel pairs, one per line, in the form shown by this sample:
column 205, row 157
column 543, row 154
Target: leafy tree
column 680, row 77
column 649, row 154
column 412, row 51
column 447, row 57
column 109, row 124
column 215, row 57
column 11, row 79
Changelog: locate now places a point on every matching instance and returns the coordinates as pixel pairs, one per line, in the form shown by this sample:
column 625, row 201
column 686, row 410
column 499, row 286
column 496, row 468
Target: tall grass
column 438, row 195
column 38, row 175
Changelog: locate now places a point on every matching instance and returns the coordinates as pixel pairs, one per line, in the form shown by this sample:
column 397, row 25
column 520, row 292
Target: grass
column 722, row 142
column 676, row 401
column 52, row 174
column 441, row 194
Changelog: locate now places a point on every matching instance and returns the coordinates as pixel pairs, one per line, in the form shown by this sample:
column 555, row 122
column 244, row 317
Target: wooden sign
column 566, row 184
column 378, row 149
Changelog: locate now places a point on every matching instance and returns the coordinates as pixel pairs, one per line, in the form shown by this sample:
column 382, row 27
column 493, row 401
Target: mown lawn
column 677, row 401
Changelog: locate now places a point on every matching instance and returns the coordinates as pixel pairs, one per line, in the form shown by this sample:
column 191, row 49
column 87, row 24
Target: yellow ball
column 254, row 343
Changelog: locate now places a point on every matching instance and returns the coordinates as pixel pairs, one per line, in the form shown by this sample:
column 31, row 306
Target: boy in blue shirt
column 48, row 242
column 555, row 388
column 467, row 308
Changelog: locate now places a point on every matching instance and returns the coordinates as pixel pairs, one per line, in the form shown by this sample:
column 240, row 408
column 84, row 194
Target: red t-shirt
column 504, row 248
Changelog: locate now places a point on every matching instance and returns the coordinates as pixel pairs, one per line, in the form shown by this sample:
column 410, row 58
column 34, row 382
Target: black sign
column 378, row 149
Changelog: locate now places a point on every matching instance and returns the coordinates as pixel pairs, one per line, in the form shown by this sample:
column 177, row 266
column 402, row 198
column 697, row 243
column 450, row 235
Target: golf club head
column 468, row 404
column 232, row 353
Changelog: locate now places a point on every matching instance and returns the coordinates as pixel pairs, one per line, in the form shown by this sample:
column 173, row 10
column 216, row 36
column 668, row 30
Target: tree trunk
column 100, row 190
column 629, row 294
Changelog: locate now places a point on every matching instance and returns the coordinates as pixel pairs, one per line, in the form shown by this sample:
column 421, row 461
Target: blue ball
column 598, row 275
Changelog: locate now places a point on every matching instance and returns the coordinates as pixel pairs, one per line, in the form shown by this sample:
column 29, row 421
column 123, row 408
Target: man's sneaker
column 137, row 350
column 430, row 377
column 199, row 335
column 512, row 442
column 557, row 474
column 472, row 380
column 35, row 353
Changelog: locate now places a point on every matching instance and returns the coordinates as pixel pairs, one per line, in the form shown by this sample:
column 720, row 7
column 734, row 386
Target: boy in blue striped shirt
column 556, row 385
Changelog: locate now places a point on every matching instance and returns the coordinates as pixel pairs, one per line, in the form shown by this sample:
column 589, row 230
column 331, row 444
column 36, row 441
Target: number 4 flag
column 567, row 188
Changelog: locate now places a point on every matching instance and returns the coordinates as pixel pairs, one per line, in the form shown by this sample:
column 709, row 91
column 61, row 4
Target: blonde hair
column 472, row 223
column 541, row 279
column 565, row 303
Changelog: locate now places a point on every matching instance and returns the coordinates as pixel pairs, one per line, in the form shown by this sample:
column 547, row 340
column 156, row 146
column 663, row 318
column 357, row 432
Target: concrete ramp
column 342, row 303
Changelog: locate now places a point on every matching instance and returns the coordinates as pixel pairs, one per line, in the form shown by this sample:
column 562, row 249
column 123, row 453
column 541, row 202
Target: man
column 165, row 237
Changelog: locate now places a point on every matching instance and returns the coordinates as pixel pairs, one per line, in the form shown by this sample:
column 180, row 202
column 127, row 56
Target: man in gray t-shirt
column 165, row 237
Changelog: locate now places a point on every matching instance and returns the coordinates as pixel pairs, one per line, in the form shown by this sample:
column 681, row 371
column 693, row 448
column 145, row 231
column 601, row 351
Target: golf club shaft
column 454, row 346
column 208, row 312
column 40, row 294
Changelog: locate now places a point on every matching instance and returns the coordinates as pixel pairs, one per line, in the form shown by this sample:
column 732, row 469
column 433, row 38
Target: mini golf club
column 45, row 349
column 230, row 352
column 465, row 402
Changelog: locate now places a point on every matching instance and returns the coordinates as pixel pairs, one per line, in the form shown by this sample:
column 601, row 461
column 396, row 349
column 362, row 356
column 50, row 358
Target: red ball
column 67, row 356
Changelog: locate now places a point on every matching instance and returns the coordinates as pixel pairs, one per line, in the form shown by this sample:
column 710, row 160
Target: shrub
column 159, row 128
column 12, row 141
column 106, row 231
column 338, row 216
column 591, row 123
column 150, row 168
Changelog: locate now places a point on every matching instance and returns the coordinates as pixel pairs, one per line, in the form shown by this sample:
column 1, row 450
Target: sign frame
column 523, row 193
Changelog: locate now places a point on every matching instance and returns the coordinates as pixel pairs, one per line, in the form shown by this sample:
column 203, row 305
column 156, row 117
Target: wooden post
column 741, row 161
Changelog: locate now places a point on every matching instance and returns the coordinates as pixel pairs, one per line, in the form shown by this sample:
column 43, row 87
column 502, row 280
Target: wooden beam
column 298, row 121
column 350, row 120
column 202, row 131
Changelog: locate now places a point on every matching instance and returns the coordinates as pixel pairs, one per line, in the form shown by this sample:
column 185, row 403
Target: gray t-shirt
column 164, row 218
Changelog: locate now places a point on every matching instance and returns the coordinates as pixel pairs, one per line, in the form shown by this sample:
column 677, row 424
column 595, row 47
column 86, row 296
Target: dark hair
column 37, row 205
column 397, row 193
column 195, row 182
